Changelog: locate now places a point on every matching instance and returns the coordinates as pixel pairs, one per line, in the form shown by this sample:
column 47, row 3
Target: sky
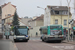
column 29, row 7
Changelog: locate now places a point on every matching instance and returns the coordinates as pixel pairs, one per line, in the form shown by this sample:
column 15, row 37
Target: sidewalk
column 6, row 44
column 70, row 42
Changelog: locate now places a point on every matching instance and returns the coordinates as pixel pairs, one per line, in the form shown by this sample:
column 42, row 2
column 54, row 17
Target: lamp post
column 68, row 17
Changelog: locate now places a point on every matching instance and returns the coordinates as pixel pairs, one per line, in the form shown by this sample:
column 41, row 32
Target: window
column 56, row 21
column 64, row 12
column 65, row 22
column 56, row 12
column 9, row 14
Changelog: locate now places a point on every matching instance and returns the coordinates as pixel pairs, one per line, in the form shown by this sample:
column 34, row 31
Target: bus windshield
column 55, row 27
column 56, row 30
column 21, row 31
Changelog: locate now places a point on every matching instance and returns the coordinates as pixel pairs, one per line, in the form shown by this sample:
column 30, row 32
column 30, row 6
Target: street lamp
column 40, row 7
column 68, row 17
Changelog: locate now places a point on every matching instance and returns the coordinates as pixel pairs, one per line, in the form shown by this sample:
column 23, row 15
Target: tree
column 15, row 19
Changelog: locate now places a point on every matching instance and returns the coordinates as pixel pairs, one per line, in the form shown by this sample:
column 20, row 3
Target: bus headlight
column 26, row 37
column 14, row 36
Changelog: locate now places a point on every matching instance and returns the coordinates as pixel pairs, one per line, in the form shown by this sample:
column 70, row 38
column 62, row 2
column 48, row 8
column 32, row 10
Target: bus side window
column 44, row 31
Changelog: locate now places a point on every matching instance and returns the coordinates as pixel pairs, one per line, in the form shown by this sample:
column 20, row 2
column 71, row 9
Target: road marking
column 15, row 45
column 52, row 46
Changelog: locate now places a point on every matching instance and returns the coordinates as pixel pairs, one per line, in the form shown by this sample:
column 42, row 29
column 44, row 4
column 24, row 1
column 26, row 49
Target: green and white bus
column 21, row 33
column 52, row 33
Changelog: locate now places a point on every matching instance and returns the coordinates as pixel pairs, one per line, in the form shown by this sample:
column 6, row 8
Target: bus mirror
column 28, row 28
column 40, row 29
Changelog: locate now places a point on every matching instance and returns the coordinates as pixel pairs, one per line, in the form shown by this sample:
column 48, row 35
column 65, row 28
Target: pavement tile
column 6, row 44
column 70, row 42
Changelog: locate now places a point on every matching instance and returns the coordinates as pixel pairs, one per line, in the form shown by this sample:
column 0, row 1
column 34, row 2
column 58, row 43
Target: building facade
column 25, row 20
column 57, row 15
column 36, row 22
column 1, row 35
column 9, row 21
column 8, row 10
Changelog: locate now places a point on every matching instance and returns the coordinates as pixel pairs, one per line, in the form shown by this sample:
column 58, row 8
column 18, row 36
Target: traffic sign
column 71, row 21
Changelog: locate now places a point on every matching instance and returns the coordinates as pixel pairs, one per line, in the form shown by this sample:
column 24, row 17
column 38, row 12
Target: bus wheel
column 26, row 40
column 42, row 40
column 45, row 39
column 59, row 41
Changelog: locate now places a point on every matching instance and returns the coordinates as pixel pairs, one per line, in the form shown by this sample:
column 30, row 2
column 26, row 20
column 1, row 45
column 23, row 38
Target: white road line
column 52, row 46
column 15, row 46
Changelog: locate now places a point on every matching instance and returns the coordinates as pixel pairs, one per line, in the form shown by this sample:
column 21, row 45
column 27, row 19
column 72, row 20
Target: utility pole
column 60, row 2
column 74, row 6
column 74, row 20
column 61, row 11
column 68, row 18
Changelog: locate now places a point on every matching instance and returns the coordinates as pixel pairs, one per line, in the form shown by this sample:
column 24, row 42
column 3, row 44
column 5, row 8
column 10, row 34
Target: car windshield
column 21, row 31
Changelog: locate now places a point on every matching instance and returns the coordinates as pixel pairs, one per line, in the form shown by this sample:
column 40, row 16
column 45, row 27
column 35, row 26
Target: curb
column 70, row 42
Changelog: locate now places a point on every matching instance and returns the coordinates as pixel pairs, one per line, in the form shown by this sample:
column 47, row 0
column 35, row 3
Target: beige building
column 25, row 20
column 9, row 20
column 57, row 15
column 8, row 10
column 36, row 22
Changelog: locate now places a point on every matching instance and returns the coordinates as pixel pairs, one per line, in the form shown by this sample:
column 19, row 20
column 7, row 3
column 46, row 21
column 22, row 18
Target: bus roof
column 20, row 26
column 45, row 27
column 55, row 25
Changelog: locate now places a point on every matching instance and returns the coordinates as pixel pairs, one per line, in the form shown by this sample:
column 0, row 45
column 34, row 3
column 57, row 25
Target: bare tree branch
column 68, row 2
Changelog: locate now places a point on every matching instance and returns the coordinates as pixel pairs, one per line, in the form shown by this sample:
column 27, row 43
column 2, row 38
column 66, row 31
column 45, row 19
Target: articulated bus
column 52, row 33
column 21, row 33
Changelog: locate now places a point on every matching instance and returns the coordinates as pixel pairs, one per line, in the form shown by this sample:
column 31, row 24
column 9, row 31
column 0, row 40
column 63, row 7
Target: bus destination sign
column 22, row 27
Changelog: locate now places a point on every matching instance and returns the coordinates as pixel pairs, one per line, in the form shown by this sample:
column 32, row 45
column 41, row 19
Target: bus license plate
column 21, row 39
column 55, row 36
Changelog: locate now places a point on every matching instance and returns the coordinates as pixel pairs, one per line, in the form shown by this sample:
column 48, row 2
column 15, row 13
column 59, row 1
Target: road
column 37, row 44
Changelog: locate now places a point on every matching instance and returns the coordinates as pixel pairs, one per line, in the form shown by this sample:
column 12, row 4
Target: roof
column 43, row 27
column 38, row 18
column 7, row 4
column 22, row 22
column 58, row 8
column 9, row 16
